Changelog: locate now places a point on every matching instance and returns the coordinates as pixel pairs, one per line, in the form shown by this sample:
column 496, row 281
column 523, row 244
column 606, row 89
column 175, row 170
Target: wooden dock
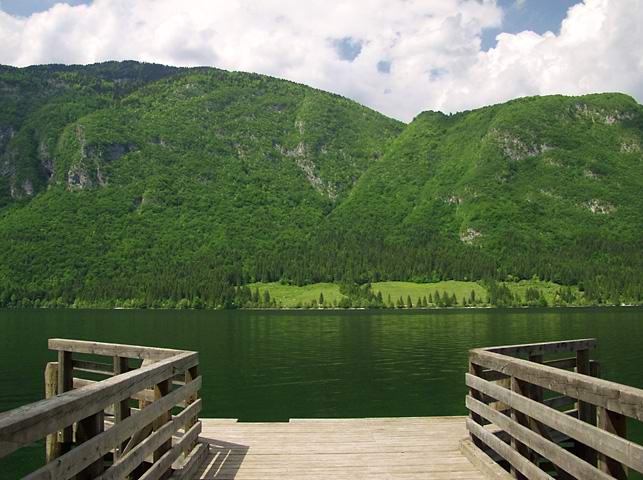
column 373, row 448
column 125, row 412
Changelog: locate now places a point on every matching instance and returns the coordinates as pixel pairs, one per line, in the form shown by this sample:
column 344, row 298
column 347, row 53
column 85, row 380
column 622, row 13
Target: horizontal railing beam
column 601, row 393
column 544, row 347
column 604, row 442
column 74, row 461
column 29, row 423
column 112, row 349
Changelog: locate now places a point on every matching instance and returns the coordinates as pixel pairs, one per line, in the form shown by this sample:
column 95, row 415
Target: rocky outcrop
column 470, row 235
column 516, row 149
column 87, row 171
column 600, row 115
column 599, row 207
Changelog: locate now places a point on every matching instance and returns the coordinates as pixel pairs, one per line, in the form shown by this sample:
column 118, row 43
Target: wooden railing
column 137, row 417
column 539, row 420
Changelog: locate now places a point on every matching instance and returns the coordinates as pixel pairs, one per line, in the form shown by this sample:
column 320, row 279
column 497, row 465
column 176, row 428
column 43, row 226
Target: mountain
column 129, row 182
column 545, row 186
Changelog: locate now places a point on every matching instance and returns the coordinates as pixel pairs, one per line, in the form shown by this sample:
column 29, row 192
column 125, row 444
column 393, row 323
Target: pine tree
column 419, row 302
column 266, row 298
column 321, row 299
column 409, row 303
column 400, row 302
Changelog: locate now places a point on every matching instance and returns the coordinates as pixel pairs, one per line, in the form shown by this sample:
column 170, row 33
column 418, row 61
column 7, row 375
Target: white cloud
column 428, row 51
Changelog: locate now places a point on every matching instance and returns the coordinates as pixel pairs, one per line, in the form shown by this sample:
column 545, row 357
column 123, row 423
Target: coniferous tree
column 409, row 303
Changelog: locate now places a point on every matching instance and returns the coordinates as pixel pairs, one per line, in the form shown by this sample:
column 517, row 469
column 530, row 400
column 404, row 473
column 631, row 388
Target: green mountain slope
column 172, row 188
column 137, row 184
column 546, row 186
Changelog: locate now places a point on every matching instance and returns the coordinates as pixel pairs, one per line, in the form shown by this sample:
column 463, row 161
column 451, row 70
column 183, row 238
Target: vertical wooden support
column 521, row 388
column 52, row 447
column 122, row 408
column 88, row 428
column 191, row 374
column 161, row 389
column 584, row 408
column 65, row 384
column 614, row 423
column 477, row 371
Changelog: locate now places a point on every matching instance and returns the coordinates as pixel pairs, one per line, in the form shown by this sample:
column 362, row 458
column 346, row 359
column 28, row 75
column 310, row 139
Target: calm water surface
column 272, row 366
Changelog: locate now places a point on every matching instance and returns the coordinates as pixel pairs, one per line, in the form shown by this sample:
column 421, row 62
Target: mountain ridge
column 138, row 181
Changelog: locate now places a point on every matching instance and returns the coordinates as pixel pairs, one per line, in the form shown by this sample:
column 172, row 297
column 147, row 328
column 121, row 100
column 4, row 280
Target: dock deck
column 373, row 448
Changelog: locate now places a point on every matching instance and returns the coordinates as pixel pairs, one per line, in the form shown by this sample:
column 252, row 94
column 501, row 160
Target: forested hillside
column 142, row 185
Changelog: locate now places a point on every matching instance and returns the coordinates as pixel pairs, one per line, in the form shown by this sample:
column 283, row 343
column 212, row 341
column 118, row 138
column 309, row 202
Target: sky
column 399, row 57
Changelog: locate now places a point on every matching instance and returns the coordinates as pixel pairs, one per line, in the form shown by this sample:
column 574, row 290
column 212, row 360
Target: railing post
column 191, row 374
column 88, row 428
column 160, row 390
column 477, row 371
column 52, row 446
column 614, row 423
column 584, row 408
column 122, row 408
column 65, row 384
column 521, row 388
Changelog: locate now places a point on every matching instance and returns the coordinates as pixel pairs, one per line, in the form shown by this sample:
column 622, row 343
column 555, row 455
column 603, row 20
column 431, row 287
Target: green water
column 272, row 366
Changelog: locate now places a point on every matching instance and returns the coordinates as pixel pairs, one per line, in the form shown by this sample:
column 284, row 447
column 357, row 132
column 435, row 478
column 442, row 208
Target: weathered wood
column 558, row 455
column 476, row 371
column 89, row 428
column 521, row 388
column 564, row 363
column 29, row 423
column 163, row 464
column 520, row 463
column 559, row 401
column 160, row 390
column 613, row 396
column 52, row 447
column 112, row 349
column 606, row 442
column 191, row 374
column 192, row 462
column 545, row 347
column 121, row 409
column 127, row 463
column 613, row 423
column 93, row 367
column 65, row 384
column 85, row 454
column 146, row 395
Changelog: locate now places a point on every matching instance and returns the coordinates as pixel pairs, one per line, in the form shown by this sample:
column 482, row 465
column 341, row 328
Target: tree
column 266, row 298
column 321, row 299
column 409, row 303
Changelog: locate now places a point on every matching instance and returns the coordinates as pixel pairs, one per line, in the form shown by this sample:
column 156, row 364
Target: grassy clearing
column 290, row 296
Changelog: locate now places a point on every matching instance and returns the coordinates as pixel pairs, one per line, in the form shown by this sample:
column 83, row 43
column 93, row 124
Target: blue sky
column 399, row 57
column 539, row 16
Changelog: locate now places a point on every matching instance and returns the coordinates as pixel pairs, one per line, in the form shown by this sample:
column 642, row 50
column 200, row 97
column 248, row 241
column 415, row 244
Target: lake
column 276, row 365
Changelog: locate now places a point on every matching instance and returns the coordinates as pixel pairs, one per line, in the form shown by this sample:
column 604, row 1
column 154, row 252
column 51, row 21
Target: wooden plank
column 89, row 428
column 192, row 462
column 52, row 447
column 603, row 441
column 531, row 471
column 85, row 454
column 556, row 454
column 163, row 464
column 160, row 390
column 544, row 347
column 520, row 388
column 121, row 409
column 146, row 395
column 613, row 396
column 112, row 349
column 32, row 422
column 65, row 384
column 616, row 424
column 126, row 464
column 93, row 367
column 565, row 363
column 483, row 462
